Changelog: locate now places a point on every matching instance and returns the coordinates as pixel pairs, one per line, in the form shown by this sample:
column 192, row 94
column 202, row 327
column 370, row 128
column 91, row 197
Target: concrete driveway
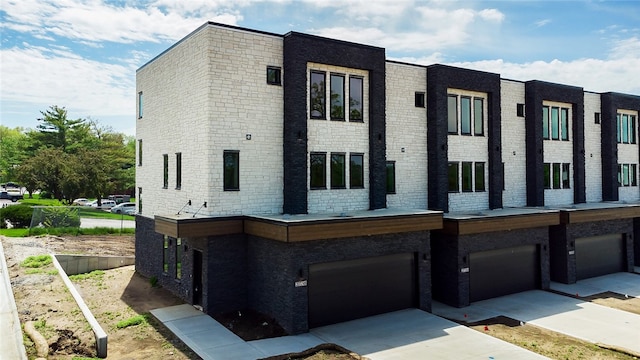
column 559, row 313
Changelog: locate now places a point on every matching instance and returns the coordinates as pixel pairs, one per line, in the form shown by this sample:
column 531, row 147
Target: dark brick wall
column 563, row 239
column 536, row 92
column 275, row 266
column 636, row 241
column 225, row 280
column 439, row 79
column 609, row 105
column 298, row 50
column 450, row 254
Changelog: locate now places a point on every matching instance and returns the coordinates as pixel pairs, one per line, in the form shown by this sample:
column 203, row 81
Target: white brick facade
column 201, row 97
column 628, row 154
column 513, row 144
column 407, row 135
column 592, row 148
column 559, row 151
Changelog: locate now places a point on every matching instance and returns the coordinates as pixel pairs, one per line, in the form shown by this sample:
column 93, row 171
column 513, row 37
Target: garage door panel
column 599, row 255
column 500, row 272
column 347, row 290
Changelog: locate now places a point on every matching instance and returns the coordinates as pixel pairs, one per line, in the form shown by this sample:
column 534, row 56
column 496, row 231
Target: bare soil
column 120, row 294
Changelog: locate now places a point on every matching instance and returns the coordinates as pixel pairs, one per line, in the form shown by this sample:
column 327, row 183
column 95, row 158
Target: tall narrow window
column 546, row 170
column 564, row 123
column 479, row 172
column 478, row 116
column 231, row 170
column 520, row 110
column 632, row 129
column 625, row 175
column 140, row 105
column 178, row 170
column 139, row 200
column 566, row 180
column 317, row 95
column 625, row 128
column 391, row 177
column 556, row 175
column 356, row 171
column 633, row 173
column 139, row 152
column 545, row 122
column 165, row 254
column 465, row 115
column 555, row 123
column 178, row 258
column 619, row 175
column 452, row 114
column 452, row 174
column 467, row 176
column 318, row 170
column 337, row 97
column 355, row 98
column 338, row 171
column 165, row 171
column 419, row 99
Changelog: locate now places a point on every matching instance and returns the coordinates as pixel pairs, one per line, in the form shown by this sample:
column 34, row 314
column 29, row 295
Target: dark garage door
column 599, row 255
column 500, row 272
column 346, row 290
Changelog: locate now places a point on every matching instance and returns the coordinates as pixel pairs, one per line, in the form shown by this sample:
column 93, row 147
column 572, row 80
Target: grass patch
column 66, row 231
column 89, row 212
column 95, row 274
column 41, row 271
column 36, row 201
column 36, row 261
column 133, row 321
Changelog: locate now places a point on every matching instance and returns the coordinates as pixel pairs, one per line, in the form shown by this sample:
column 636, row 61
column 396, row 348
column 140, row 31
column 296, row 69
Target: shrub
column 37, row 261
column 58, row 216
column 19, row 216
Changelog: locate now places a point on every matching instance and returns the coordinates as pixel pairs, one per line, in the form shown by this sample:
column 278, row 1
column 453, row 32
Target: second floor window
column 317, row 95
column 231, row 163
column 626, row 128
column 165, row 171
column 356, row 100
column 465, row 115
column 337, row 97
column 555, row 123
column 178, row 170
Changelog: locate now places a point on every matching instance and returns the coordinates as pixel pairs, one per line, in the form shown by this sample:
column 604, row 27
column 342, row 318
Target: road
column 108, row 223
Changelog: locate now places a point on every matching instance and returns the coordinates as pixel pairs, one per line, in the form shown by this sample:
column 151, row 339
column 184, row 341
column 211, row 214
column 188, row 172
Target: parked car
column 13, row 196
column 122, row 208
column 119, row 199
column 106, row 204
column 80, row 202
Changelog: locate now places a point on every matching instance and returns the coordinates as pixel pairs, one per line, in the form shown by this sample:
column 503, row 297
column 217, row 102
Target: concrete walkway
column 559, row 313
column 406, row 334
column 11, row 345
column 622, row 283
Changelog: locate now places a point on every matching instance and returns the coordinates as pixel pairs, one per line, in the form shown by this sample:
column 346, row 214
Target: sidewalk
column 11, row 346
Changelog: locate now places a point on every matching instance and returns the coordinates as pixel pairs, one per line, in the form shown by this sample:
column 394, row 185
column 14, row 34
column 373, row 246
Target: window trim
column 338, row 172
column 467, row 182
column 139, row 152
column 450, row 130
column 520, row 110
column 391, row 180
column 178, row 259
column 477, row 185
column 321, row 94
column 140, row 104
column 331, row 93
column 178, row 170
column 278, row 75
column 165, row 171
column 420, row 99
column 475, row 117
column 360, row 179
column 451, row 165
column 360, row 88
column 166, row 243
column 236, row 171
column 323, row 177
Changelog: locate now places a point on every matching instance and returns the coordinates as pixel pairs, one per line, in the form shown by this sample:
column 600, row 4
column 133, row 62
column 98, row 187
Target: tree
column 48, row 170
column 56, row 131
column 11, row 152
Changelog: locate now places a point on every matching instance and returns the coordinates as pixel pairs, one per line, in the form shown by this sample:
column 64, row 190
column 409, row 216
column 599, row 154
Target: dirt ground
column 121, row 294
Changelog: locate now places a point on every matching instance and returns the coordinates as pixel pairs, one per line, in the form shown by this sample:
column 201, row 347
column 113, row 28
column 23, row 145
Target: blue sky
column 83, row 54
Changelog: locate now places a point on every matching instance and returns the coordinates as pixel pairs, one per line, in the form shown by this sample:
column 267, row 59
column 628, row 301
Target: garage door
column 599, row 255
column 504, row 271
column 346, row 290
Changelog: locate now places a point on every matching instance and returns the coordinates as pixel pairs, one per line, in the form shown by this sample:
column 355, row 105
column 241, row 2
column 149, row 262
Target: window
column 231, row 160
column 557, row 175
column 627, row 175
column 453, row 177
column 467, row 176
column 178, row 170
column 140, row 105
column 555, row 123
column 165, row 171
column 626, row 126
column 596, row 117
column 337, row 97
column 391, row 177
column 165, row 254
column 317, row 95
column 179, row 258
column 274, row 75
column 338, row 171
column 355, row 98
column 469, row 114
column 452, row 114
column 318, row 171
column 356, row 171
column 139, row 152
column 420, row 99
column 139, row 200
column 520, row 110
column 479, row 172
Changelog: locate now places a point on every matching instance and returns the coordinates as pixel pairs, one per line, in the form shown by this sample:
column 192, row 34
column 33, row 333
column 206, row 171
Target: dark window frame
column 564, row 124
column 467, row 176
column 231, row 175
column 520, row 110
column 356, row 178
column 356, row 111
column 335, row 113
column 546, row 173
column 179, row 254
column 546, row 117
column 166, row 243
column 479, row 180
column 565, row 177
column 140, row 104
column 318, row 97
column 139, row 152
column 274, row 75
column 338, row 170
column 391, row 177
column 450, row 116
column 478, row 124
column 453, row 181
column 420, row 99
column 321, row 183
column 467, row 121
column 165, row 171
column 139, row 200
column 596, row 117
column 178, row 170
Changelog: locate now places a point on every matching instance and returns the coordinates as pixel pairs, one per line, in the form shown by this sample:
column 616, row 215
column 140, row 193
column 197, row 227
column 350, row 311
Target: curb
column 11, row 344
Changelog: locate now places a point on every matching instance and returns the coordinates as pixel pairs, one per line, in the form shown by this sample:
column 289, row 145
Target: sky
column 83, row 54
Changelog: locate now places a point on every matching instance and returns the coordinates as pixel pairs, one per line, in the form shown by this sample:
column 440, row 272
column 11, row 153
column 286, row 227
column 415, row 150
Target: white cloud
column 492, row 15
column 543, row 22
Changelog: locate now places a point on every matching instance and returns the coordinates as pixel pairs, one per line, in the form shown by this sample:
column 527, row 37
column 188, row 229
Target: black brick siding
column 299, row 49
column 609, row 105
column 450, row 254
column 636, row 241
column 275, row 266
column 562, row 241
column 439, row 79
column 535, row 93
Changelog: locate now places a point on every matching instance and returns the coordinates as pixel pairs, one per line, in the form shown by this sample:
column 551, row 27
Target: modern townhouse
column 315, row 181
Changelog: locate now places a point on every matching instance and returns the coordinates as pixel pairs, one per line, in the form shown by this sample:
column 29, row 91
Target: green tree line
column 67, row 158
